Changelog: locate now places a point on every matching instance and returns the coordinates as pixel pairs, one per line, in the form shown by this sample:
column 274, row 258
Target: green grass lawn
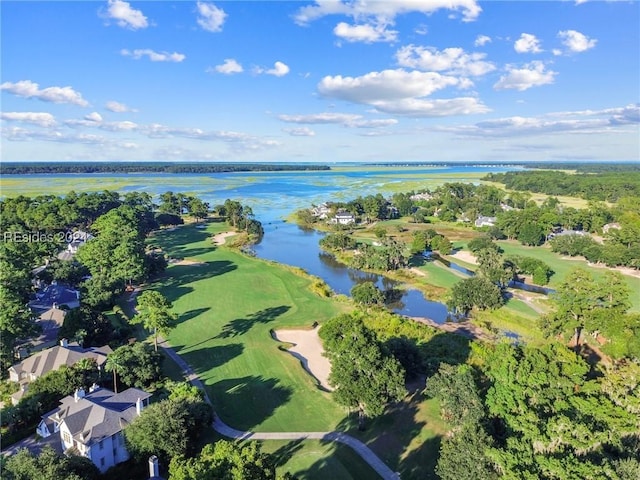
column 318, row 460
column 563, row 265
column 227, row 307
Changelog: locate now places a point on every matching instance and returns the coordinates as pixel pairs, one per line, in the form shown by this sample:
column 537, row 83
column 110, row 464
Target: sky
column 320, row 81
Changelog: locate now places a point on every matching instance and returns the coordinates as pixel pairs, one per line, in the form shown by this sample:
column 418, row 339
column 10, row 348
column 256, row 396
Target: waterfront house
column 483, row 221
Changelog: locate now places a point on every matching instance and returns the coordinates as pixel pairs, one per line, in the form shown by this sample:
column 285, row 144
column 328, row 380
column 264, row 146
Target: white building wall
column 109, row 452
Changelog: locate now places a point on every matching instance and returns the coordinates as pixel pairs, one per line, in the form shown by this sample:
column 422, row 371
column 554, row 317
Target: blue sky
column 324, row 81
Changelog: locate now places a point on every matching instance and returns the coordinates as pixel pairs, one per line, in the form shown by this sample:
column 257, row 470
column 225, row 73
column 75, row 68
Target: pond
column 291, row 245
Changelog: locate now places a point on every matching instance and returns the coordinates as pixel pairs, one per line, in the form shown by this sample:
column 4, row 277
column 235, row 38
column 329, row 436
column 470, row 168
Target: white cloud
column 42, row 119
column 346, row 119
column 384, row 10
column 384, row 85
column 29, row 89
column 366, row 33
column 125, row 16
column 279, row 70
column 578, row 122
column 576, row 42
column 532, row 75
column 402, row 93
column 93, row 117
column 452, row 60
column 482, row 40
column 210, row 17
column 527, row 43
column 118, row 107
column 153, row 56
column 300, row 132
column 421, row 29
column 229, row 67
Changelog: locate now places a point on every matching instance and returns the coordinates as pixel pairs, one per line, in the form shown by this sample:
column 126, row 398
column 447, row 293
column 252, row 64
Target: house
column 51, row 359
column 421, row 196
column 483, row 221
column 321, row 211
column 91, row 424
column 76, row 240
column 56, row 295
column 343, row 218
column 506, row 208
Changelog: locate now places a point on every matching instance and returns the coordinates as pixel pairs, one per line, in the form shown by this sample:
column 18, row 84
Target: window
column 66, row 438
column 102, row 462
column 101, row 444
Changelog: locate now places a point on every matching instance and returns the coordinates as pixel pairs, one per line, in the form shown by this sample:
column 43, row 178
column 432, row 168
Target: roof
column 53, row 358
column 99, row 414
column 54, row 315
column 55, row 294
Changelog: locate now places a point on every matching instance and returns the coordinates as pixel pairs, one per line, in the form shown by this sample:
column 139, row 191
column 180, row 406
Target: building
column 343, row 218
column 52, row 359
column 611, row 226
column 56, row 295
column 91, row 424
column 321, row 211
column 483, row 221
column 76, row 240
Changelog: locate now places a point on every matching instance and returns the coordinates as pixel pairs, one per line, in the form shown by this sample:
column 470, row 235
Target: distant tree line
column 149, row 167
column 605, row 186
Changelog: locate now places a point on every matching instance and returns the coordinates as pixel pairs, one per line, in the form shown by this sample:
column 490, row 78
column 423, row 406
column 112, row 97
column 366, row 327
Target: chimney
column 55, row 305
column 64, row 343
column 154, row 470
column 79, row 393
column 139, row 406
column 93, row 387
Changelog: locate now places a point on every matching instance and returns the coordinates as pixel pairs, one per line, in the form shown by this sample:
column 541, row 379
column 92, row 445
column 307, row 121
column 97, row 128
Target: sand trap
column 465, row 257
column 187, row 262
column 221, row 238
column 307, row 347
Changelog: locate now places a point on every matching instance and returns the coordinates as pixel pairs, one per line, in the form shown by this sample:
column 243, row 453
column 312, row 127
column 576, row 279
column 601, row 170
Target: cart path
column 223, row 429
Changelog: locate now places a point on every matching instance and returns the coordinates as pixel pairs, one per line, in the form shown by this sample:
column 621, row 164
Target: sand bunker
column 465, row 257
column 307, row 347
column 186, row 261
column 221, row 238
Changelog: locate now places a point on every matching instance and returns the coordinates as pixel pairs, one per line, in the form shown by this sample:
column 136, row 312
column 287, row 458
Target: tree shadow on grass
column 204, row 359
column 247, row 402
column 174, row 283
column 286, row 452
column 176, row 242
column 240, row 326
column 192, row 314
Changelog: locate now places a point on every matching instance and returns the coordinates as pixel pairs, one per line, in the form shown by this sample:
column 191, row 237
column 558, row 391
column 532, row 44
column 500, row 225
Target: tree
column 367, row 294
column 154, row 314
column 475, row 292
column 48, row 465
column 169, row 428
column 463, row 455
column 137, row 365
column 531, row 234
column 364, row 377
column 226, row 460
column 198, row 208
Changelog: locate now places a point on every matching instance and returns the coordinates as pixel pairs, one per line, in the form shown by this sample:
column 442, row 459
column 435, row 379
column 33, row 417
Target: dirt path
column 221, row 238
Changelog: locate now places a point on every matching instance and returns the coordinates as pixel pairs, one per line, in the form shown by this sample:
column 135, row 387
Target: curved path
column 223, row 429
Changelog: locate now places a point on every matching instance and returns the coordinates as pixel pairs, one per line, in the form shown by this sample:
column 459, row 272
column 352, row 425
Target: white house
column 483, row 221
column 321, row 211
column 91, row 424
column 343, row 218
column 611, row 226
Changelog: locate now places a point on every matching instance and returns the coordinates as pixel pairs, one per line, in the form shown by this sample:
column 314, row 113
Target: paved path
column 222, row 428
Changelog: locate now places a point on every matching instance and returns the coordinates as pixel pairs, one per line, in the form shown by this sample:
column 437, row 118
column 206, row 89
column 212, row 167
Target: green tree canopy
column 154, row 313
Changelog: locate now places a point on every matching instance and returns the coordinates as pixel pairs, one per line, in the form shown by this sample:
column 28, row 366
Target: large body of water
column 275, row 195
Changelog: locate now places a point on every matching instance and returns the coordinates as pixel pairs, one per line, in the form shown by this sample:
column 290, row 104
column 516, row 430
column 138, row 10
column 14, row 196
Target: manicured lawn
column 317, row 460
column 563, row 265
column 227, row 306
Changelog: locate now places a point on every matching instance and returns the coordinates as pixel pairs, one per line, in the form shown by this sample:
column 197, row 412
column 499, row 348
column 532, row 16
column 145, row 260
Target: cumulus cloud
column 42, row 119
column 366, row 33
column 153, row 56
column 576, row 42
column 482, row 40
column 384, row 10
column 29, row 89
column 125, row 16
column 118, row 107
column 93, row 117
column 229, row 67
column 279, row 69
column 210, row 17
column 452, row 60
column 300, row 132
column 533, row 74
column 401, row 92
column 527, row 43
